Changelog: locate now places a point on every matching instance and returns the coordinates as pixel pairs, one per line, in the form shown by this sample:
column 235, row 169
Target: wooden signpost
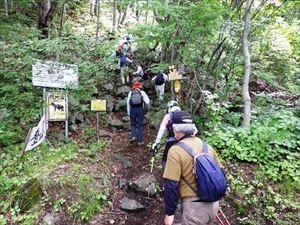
column 174, row 77
column 98, row 105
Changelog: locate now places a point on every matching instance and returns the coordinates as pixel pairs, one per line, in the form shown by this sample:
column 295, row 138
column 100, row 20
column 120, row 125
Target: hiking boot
column 133, row 139
column 140, row 143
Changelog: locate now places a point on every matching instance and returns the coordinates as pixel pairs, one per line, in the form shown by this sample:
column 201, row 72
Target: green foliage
column 273, row 143
column 256, row 204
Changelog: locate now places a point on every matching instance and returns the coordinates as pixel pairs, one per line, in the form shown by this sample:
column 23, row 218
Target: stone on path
column 147, row 184
column 131, row 205
column 124, row 159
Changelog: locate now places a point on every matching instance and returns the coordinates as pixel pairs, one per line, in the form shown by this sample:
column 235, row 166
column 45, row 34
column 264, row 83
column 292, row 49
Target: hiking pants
column 124, row 75
column 198, row 213
column 160, row 91
column 137, row 122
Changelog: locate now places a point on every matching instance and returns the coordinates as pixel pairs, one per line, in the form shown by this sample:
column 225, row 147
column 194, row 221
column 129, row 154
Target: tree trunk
column 147, row 11
column 98, row 19
column 247, row 67
column 6, row 7
column 62, row 19
column 46, row 13
column 137, row 11
column 91, row 7
column 96, row 7
column 115, row 13
column 124, row 15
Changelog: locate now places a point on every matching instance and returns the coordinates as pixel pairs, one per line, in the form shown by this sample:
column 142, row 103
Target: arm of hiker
column 162, row 128
column 172, row 174
column 145, row 99
column 166, row 77
column 171, row 196
column 153, row 79
column 128, row 103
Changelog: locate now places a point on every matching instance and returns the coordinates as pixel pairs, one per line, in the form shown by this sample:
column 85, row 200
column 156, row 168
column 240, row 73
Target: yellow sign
column 57, row 107
column 173, row 73
column 98, row 105
column 176, row 86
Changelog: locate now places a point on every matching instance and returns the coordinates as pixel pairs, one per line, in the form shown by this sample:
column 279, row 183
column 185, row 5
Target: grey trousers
column 198, row 213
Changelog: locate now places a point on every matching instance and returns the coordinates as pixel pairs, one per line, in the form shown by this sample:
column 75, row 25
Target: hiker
column 139, row 73
column 124, row 62
column 159, row 82
column 165, row 124
column 179, row 178
column 137, row 102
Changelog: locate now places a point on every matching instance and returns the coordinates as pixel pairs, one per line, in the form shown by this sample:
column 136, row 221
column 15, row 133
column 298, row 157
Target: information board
column 57, row 107
column 54, row 74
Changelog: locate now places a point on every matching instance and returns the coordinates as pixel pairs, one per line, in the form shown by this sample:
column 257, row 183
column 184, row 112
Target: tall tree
column 98, row 19
column 6, row 7
column 46, row 13
column 115, row 13
column 62, row 18
column 247, row 66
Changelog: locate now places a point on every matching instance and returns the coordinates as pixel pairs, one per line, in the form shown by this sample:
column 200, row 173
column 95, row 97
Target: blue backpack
column 210, row 178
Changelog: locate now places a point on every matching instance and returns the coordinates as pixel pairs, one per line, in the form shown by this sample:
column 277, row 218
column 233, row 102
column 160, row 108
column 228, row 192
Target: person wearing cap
column 166, row 124
column 160, row 83
column 180, row 164
column 137, row 101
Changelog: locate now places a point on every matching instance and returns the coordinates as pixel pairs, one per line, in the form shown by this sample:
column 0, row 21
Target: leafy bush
column 273, row 143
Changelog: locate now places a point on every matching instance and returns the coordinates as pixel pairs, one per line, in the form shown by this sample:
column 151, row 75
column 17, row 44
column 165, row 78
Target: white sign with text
column 54, row 74
column 37, row 135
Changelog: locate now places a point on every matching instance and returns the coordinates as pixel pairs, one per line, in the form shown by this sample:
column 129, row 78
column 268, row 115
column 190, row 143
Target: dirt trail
column 140, row 157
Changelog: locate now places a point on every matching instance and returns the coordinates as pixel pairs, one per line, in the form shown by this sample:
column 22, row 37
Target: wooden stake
column 26, row 142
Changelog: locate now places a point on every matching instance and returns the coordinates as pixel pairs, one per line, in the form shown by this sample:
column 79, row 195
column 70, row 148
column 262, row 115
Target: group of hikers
column 180, row 152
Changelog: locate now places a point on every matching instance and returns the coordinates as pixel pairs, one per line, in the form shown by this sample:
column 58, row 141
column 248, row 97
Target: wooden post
column 26, row 142
column 98, row 132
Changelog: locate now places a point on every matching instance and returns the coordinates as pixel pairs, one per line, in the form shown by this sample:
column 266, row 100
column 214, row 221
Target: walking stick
column 152, row 160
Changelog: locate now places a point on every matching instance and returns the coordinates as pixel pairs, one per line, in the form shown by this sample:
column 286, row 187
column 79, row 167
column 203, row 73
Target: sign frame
column 57, row 106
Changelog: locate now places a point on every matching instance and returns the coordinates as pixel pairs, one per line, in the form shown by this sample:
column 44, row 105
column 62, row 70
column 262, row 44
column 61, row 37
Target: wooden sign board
column 54, row 74
column 98, row 105
column 173, row 73
column 57, row 107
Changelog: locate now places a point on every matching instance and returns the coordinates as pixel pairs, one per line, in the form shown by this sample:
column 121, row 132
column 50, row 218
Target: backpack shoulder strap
column 192, row 153
column 187, row 148
column 205, row 147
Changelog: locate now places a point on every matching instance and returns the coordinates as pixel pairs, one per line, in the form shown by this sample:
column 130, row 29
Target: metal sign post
column 66, row 121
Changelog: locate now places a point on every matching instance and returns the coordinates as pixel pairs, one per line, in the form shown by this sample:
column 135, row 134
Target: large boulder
column 156, row 119
column 121, row 105
column 147, row 184
column 123, row 91
column 131, row 205
column 114, row 122
column 110, row 103
column 108, row 87
column 79, row 117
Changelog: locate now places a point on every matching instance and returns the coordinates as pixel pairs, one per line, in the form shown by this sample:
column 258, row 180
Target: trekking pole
column 152, row 160
column 224, row 216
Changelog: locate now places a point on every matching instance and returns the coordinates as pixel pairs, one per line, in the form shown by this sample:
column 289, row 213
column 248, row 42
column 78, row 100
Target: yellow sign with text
column 98, row 105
